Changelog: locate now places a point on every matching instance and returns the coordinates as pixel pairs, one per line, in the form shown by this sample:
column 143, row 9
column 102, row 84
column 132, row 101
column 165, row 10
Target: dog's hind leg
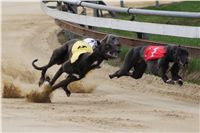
column 58, row 57
column 43, row 69
column 43, row 77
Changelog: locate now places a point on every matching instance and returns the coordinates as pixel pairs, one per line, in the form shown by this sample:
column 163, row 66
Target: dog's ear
column 98, row 43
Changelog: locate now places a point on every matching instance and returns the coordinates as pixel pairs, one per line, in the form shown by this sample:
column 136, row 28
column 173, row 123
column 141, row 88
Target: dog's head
column 110, row 46
column 181, row 55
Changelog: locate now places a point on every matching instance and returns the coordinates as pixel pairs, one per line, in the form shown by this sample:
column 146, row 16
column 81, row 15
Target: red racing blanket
column 154, row 52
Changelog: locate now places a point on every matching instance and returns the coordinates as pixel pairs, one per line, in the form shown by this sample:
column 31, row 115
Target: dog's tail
column 36, row 67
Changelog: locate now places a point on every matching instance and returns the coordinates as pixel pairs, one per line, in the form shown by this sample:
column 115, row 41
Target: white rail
column 152, row 28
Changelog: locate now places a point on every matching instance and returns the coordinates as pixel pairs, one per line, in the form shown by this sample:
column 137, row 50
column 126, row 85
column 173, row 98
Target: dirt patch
column 40, row 95
column 82, row 86
column 11, row 91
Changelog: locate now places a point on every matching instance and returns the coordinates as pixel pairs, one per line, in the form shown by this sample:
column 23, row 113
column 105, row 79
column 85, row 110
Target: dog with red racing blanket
column 157, row 60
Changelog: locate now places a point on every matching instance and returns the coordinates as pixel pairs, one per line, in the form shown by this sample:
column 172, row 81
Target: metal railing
column 134, row 10
column 142, row 27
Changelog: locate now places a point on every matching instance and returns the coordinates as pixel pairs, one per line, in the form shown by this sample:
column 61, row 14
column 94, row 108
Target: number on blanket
column 83, row 46
column 154, row 51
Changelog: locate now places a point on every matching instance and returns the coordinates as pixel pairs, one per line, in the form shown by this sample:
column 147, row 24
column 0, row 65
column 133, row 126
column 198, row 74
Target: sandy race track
column 118, row 105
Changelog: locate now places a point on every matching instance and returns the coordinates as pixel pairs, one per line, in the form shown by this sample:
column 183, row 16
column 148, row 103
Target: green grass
column 123, row 52
column 186, row 6
column 118, row 32
column 192, row 72
column 194, row 65
column 175, row 40
column 190, row 6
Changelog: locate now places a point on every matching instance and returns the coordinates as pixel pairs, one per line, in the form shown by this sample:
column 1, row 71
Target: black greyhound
column 135, row 58
column 108, row 48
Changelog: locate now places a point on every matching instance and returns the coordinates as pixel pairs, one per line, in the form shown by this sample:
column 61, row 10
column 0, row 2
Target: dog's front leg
column 162, row 74
column 174, row 72
column 162, row 70
column 65, row 83
column 96, row 65
column 120, row 73
column 123, row 71
column 128, row 63
column 114, row 74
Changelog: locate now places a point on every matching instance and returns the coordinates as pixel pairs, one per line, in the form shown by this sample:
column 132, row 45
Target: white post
column 157, row 3
column 121, row 3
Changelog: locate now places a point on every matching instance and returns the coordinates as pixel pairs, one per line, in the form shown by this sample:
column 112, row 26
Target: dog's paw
column 46, row 83
column 68, row 93
column 111, row 76
column 170, row 81
column 179, row 82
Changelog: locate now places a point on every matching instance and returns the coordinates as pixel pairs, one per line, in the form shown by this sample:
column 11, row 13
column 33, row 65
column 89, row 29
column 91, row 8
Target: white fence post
column 121, row 3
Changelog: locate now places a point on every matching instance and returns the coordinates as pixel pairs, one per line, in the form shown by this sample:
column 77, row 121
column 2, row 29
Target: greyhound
column 156, row 59
column 107, row 48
